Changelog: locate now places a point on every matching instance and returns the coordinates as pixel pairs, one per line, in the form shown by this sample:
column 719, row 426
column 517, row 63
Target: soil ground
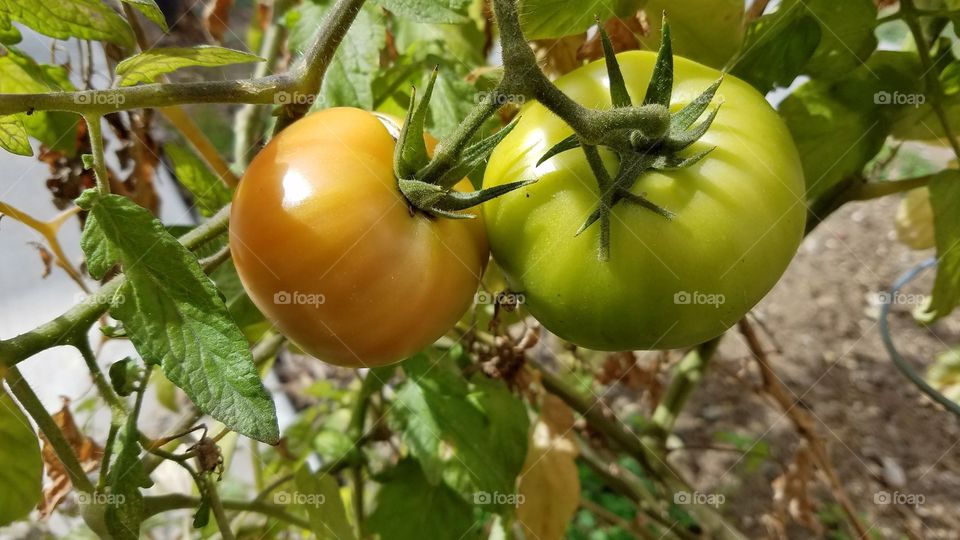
column 887, row 441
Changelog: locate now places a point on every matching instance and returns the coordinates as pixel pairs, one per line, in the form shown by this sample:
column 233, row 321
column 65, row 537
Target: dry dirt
column 886, row 440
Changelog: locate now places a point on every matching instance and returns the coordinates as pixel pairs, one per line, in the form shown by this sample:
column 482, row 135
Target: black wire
column 898, row 360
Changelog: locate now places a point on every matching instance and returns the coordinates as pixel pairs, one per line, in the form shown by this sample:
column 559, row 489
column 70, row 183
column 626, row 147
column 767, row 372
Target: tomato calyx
column 429, row 187
column 652, row 140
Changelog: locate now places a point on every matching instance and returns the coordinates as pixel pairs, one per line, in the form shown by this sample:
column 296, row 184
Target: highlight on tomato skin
column 737, row 219
column 328, row 250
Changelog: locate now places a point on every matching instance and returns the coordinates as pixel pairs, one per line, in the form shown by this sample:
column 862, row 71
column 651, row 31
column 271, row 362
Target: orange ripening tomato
column 329, row 250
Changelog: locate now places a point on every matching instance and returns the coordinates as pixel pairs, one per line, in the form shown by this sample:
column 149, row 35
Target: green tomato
column 669, row 283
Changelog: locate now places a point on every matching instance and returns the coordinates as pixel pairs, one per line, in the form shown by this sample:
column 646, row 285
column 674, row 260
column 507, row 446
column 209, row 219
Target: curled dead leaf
column 549, row 486
column 216, row 18
column 88, row 452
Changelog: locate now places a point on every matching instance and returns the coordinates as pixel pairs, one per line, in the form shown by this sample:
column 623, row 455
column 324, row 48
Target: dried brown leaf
column 216, row 18
column 88, row 453
column 624, row 36
column 559, row 56
column 45, row 257
column 791, row 492
column 549, row 486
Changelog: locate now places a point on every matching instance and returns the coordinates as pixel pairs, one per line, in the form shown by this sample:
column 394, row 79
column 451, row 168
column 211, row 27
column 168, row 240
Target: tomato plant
column 737, row 219
column 328, row 248
column 261, row 307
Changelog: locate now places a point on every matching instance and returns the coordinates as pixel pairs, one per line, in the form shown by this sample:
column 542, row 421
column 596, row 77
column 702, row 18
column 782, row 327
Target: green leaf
column 174, row 316
column 13, row 136
column 416, row 41
column 242, row 310
column 9, row 34
column 409, row 507
column 847, row 36
column 544, row 19
column 472, row 435
column 834, row 139
column 708, row 31
column 62, row 19
column 349, row 79
column 944, row 374
column 435, row 11
column 148, row 65
column 20, row 74
column 124, row 512
column 824, row 38
column 945, row 199
column 151, row 11
column 209, row 192
column 777, row 47
column 328, row 518
column 22, row 473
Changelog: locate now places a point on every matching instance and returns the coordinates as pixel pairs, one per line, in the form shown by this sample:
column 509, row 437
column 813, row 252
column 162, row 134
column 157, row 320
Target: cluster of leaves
column 465, row 441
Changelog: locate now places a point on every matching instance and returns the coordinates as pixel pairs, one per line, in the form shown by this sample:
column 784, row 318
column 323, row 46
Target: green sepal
column 410, row 154
column 444, row 202
column 689, row 114
column 459, row 200
column 569, row 143
column 475, row 155
column 618, row 88
column 660, row 89
column 629, row 197
column 678, row 141
column 423, row 195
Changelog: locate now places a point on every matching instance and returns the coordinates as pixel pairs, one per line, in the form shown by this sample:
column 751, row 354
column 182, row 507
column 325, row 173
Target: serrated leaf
column 209, row 192
column 544, row 19
column 434, row 11
column 777, row 47
column 124, row 512
column 453, row 99
column 148, row 65
column 62, row 19
column 151, row 11
column 472, row 435
column 13, row 136
column 409, row 507
column 834, row 140
column 349, row 78
column 20, row 74
column 328, row 518
column 22, row 473
column 175, row 317
column 945, row 199
column 847, row 36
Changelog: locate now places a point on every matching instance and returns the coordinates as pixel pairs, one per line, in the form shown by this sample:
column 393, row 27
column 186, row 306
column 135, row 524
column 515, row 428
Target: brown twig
column 803, row 421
